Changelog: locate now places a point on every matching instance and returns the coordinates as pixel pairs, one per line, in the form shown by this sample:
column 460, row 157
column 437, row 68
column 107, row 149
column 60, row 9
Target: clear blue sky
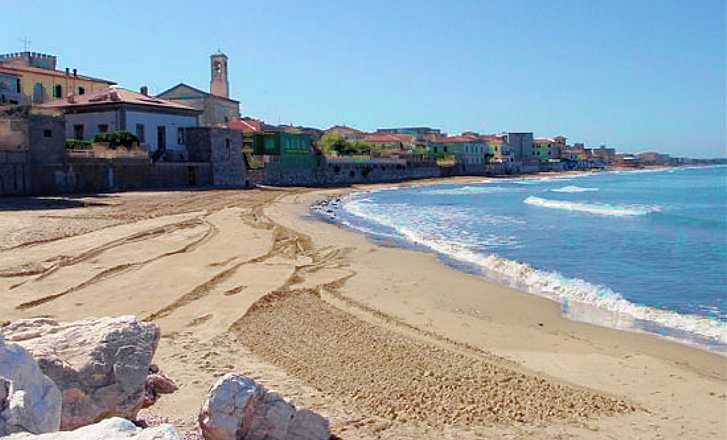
column 632, row 74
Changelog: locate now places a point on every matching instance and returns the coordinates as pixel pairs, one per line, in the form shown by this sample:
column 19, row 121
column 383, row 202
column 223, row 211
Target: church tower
column 219, row 86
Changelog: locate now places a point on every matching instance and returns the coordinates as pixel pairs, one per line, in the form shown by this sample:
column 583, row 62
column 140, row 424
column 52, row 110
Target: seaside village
column 64, row 131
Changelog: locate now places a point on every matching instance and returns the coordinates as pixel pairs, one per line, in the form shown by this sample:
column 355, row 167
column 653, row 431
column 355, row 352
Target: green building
column 290, row 149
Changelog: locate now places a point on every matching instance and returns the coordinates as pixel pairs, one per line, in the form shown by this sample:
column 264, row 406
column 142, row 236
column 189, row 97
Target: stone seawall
column 103, row 175
column 343, row 172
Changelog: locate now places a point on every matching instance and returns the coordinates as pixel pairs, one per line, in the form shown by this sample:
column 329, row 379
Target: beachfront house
column 159, row 124
column 468, row 151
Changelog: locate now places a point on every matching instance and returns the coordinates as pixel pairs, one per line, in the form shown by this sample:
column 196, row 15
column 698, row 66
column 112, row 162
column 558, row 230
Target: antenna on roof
column 26, row 43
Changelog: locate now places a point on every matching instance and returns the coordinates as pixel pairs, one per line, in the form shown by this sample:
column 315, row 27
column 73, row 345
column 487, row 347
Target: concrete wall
column 89, row 175
column 342, row 172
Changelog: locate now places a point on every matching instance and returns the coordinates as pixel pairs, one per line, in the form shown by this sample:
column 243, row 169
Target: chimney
column 75, row 72
column 67, row 71
column 144, row 90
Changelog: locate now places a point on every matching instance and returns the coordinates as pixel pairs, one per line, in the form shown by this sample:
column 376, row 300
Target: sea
column 642, row 250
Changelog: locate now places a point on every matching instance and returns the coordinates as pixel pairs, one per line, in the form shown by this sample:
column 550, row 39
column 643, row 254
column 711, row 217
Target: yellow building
column 32, row 78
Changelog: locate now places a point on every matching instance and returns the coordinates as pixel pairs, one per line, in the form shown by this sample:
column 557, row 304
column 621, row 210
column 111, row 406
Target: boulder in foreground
column 110, row 429
column 29, row 400
column 100, row 365
column 237, row 408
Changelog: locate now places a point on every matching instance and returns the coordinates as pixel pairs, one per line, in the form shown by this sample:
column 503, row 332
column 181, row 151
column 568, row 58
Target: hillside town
column 62, row 131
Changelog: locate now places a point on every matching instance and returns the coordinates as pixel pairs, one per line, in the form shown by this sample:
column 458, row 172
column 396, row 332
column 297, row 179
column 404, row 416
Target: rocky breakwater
column 103, row 367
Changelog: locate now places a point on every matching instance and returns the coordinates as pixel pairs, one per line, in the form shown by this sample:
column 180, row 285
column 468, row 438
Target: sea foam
column 552, row 285
column 574, row 189
column 593, row 208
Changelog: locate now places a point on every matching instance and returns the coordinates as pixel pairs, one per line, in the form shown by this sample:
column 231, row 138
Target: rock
column 100, row 365
column 114, row 428
column 157, row 383
column 237, row 408
column 29, row 400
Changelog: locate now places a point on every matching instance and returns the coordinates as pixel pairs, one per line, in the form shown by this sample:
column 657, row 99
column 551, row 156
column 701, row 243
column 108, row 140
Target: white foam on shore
column 574, row 189
column 593, row 208
column 552, row 285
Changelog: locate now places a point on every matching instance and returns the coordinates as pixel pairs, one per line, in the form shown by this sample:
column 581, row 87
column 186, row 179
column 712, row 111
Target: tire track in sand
column 123, row 268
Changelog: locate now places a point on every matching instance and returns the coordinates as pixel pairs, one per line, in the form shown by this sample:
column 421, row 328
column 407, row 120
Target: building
column 576, row 152
column 222, row 149
column 216, row 107
column 468, row 151
column 548, row 149
column 653, row 158
column 159, row 124
column 625, row 160
column 37, row 81
column 389, row 141
column 348, row 133
column 498, row 151
column 521, row 145
column 607, row 155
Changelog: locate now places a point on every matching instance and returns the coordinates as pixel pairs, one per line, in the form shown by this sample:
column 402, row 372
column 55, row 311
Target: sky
column 634, row 74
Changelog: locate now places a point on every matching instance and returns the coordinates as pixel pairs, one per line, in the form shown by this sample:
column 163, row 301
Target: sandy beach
column 388, row 343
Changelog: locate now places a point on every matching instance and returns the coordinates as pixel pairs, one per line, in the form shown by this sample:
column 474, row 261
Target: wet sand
column 387, row 342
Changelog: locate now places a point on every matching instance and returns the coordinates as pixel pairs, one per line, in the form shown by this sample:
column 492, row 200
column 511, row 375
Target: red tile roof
column 115, row 95
column 384, row 138
column 246, row 125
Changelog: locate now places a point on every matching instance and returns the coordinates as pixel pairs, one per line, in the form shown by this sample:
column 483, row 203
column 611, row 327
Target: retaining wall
column 341, row 172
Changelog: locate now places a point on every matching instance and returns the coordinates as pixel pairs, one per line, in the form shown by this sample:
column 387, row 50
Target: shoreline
column 585, row 313
column 372, row 336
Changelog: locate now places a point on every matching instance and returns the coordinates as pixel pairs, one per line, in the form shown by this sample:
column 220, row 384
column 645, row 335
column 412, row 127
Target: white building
column 158, row 123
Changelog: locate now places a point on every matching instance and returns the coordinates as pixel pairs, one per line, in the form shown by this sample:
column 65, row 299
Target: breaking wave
column 571, row 292
column 593, row 208
column 573, row 189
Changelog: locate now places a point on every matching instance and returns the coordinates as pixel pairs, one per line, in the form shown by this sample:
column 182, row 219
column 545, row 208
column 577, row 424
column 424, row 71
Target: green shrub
column 76, row 144
column 116, row 138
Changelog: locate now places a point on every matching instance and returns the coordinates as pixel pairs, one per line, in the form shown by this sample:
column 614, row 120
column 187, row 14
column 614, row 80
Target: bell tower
column 219, row 86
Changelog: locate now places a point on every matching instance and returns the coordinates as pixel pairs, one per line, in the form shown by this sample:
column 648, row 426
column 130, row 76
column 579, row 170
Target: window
column 180, row 136
column 57, row 91
column 47, row 133
column 81, row 90
column 78, row 132
column 17, row 85
column 140, row 132
column 103, row 128
column 227, row 149
column 38, row 93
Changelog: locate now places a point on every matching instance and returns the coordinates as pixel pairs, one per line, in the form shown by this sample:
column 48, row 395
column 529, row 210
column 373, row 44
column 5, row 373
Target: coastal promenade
column 386, row 342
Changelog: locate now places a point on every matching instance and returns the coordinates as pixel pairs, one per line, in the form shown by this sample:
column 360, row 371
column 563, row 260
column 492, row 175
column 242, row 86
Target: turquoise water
column 637, row 250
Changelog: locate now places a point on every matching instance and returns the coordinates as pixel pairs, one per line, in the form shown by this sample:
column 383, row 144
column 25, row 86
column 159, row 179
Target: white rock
column 100, row 365
column 29, row 400
column 237, row 408
column 114, row 428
